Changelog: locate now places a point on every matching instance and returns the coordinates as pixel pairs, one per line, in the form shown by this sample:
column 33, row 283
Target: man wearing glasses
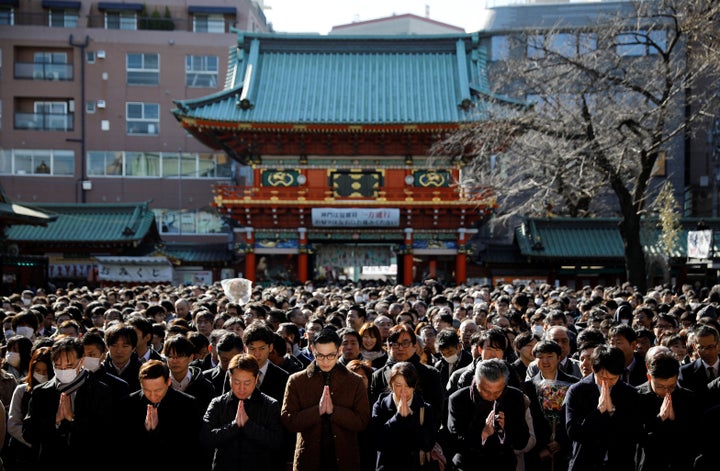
column 326, row 405
column 695, row 376
column 669, row 414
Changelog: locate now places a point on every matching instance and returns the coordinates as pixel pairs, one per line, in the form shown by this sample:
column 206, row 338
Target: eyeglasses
column 403, row 344
column 176, row 357
column 329, row 356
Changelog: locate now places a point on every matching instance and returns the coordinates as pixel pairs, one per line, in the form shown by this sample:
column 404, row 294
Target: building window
column 641, row 43
column 143, row 119
column 54, row 115
column 143, row 69
column 499, row 48
column 90, row 57
column 90, row 106
column 121, row 20
column 167, row 164
column 38, row 162
column 7, row 16
column 208, row 23
column 189, row 222
column 61, row 18
column 201, row 71
column 142, row 164
column 562, row 44
column 105, row 163
column 51, row 66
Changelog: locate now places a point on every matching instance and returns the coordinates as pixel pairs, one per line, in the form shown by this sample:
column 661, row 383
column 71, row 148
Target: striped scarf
column 75, row 384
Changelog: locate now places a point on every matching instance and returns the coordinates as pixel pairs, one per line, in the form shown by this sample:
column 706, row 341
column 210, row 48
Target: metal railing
column 45, row 121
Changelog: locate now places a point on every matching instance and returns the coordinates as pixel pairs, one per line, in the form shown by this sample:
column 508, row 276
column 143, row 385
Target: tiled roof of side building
column 89, row 222
column 598, row 239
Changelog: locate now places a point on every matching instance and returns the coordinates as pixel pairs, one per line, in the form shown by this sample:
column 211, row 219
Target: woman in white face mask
column 39, row 371
column 18, row 352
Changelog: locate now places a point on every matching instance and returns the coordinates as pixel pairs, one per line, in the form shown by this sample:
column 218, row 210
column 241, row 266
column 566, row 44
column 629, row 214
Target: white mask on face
column 91, row 364
column 451, row 359
column 40, row 378
column 66, row 376
column 9, row 333
column 26, row 301
column 13, row 359
column 26, row 332
column 538, row 330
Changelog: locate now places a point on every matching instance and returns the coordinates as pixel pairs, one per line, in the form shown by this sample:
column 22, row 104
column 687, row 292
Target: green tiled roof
column 197, row 253
column 11, row 213
column 596, row 239
column 89, row 223
column 355, row 80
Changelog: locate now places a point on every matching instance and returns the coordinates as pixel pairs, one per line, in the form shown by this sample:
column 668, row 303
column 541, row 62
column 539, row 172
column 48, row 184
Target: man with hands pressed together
column 486, row 420
column 68, row 415
column 602, row 416
column 243, row 425
column 670, row 418
column 326, row 405
column 161, row 421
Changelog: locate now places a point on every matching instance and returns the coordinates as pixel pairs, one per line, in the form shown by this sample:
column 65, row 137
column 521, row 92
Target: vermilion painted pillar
column 302, row 263
column 250, row 254
column 408, row 258
column 460, row 258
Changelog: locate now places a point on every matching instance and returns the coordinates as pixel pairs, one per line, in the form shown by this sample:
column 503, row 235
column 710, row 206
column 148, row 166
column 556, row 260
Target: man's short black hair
column 327, row 335
column 447, row 337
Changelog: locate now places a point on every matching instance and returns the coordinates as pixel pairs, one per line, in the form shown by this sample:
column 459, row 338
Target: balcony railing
column 452, row 195
column 139, row 23
column 45, row 121
column 43, row 71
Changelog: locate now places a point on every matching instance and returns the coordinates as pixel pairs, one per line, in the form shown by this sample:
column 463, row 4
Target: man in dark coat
column 602, row 416
column 243, row 425
column 486, row 420
column 160, row 422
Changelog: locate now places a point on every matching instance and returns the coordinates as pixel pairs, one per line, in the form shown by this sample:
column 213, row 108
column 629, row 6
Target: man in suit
column 160, row 421
column 624, row 337
column 228, row 345
column 602, row 416
column 670, row 416
column 695, row 376
column 258, row 338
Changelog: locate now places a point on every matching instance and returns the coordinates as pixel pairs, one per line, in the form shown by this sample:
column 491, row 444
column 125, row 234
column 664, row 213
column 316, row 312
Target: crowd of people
column 361, row 377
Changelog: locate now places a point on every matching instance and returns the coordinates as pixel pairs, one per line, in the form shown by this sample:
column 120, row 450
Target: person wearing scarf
column 68, row 415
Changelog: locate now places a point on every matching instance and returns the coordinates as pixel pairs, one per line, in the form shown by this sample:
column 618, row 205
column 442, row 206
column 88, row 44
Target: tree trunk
column 634, row 255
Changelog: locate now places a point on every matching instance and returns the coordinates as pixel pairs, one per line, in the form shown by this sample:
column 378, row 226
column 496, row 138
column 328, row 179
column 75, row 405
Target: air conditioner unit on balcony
column 101, row 103
column 53, row 75
column 38, row 75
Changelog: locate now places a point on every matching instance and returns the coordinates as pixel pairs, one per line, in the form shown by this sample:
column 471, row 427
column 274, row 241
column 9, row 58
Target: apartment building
column 86, row 90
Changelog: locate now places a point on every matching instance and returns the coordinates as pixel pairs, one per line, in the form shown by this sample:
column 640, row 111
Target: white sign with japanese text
column 355, row 217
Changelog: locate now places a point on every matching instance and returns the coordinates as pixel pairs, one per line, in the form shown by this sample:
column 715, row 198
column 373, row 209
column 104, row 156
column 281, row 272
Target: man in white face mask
column 94, row 352
column 69, row 416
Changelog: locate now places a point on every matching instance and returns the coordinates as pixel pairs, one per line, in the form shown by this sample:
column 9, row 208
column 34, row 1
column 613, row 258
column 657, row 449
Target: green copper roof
column 313, row 79
column 89, row 223
column 196, row 253
column 597, row 239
